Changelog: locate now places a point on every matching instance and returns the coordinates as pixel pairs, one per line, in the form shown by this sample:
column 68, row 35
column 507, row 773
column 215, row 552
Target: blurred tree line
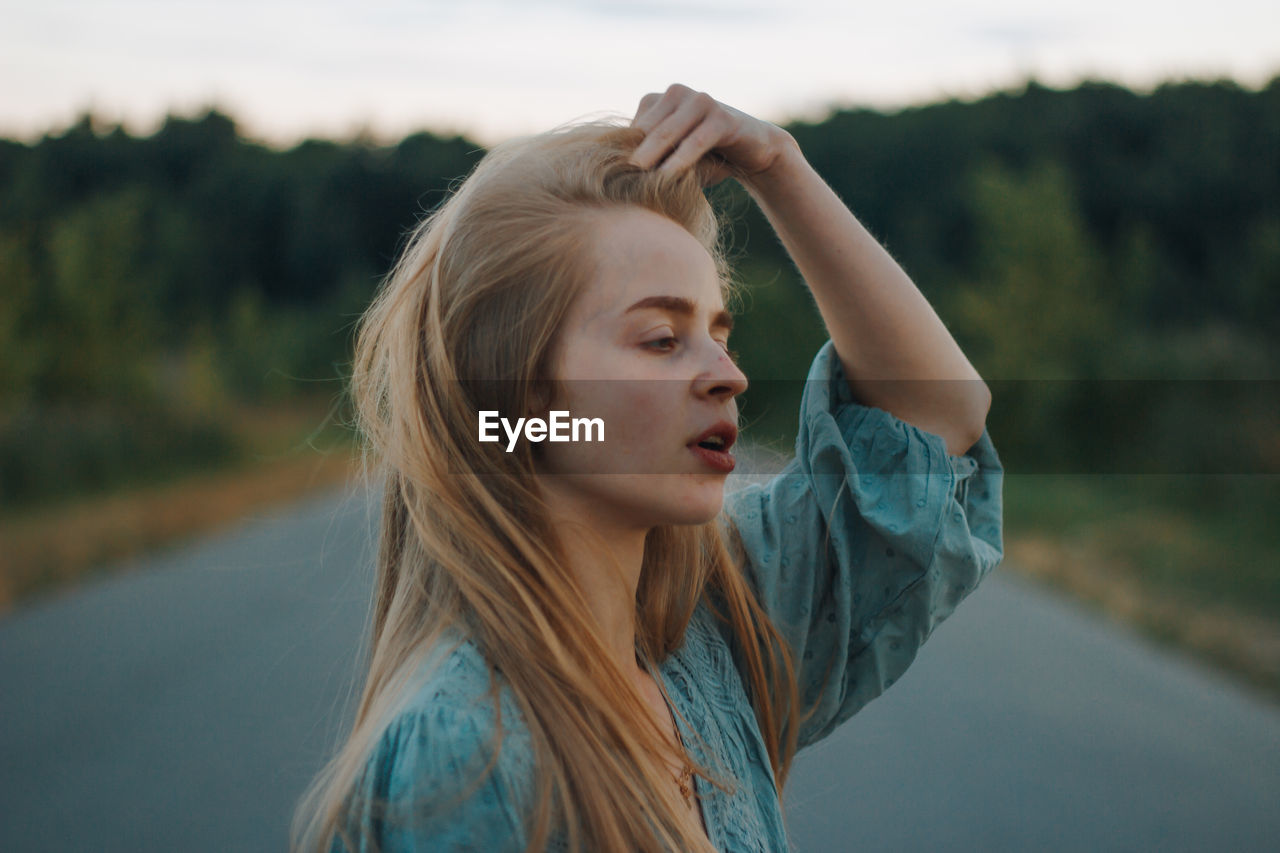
column 1109, row 261
column 1068, row 238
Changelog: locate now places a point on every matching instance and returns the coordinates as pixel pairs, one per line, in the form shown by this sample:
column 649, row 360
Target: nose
column 722, row 377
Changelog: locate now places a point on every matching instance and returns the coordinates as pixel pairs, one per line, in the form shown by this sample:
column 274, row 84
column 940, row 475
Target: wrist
column 781, row 170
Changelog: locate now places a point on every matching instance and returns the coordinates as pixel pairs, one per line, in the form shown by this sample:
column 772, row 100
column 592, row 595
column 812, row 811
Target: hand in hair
column 880, row 323
column 684, row 126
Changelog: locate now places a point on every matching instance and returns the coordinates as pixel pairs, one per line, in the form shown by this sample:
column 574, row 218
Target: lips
column 719, row 437
column 712, row 447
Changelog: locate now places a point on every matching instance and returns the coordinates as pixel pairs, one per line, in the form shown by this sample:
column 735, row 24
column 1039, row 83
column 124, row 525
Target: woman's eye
column 664, row 344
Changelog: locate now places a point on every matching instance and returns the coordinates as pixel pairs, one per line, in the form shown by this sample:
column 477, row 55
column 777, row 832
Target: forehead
column 639, row 253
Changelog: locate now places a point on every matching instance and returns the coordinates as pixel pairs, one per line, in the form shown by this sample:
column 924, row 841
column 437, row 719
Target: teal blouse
column 867, row 540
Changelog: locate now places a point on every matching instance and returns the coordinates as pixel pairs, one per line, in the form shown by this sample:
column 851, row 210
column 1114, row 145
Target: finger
column 663, row 105
column 646, row 103
column 697, row 143
column 669, row 132
column 654, row 108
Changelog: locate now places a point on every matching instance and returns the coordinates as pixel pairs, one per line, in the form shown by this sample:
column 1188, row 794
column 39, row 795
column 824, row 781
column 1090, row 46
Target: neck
column 605, row 557
column 611, row 595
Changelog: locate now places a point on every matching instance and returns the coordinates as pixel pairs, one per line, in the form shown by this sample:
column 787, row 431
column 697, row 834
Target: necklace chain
column 685, row 779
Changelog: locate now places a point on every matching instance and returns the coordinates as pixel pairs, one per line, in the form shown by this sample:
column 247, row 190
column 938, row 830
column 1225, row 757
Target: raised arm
column 880, row 324
column 891, row 512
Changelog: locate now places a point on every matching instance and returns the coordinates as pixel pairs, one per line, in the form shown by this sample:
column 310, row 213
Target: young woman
column 587, row 645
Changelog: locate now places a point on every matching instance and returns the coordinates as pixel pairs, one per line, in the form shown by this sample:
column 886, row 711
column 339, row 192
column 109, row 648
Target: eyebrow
column 682, row 306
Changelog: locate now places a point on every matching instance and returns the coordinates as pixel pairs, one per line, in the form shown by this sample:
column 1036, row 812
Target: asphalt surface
column 184, row 702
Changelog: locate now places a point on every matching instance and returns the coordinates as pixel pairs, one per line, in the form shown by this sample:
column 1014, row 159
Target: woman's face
column 645, row 349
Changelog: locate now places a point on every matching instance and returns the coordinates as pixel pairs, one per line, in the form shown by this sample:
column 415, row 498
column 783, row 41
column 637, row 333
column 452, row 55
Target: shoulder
column 452, row 763
column 454, row 675
column 456, row 709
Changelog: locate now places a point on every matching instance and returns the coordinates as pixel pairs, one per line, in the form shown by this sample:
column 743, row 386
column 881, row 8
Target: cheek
column 640, row 417
column 642, row 412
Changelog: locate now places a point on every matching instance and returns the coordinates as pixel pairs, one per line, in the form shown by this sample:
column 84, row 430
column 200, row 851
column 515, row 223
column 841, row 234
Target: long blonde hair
column 467, row 320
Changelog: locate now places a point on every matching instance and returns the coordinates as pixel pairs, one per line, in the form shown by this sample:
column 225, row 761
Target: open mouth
column 712, row 446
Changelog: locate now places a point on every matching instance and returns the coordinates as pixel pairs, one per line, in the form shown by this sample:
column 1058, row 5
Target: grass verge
column 1189, row 561
column 57, row 545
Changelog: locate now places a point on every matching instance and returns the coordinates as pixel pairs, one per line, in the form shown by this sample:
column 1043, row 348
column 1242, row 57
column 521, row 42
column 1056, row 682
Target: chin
column 704, row 518
column 699, row 504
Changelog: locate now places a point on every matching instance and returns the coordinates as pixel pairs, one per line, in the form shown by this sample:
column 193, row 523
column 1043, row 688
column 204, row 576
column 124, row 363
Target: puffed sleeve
column 417, row 792
column 867, row 540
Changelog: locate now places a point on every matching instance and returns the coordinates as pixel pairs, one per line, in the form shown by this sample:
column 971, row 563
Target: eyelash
column 733, row 354
column 651, row 344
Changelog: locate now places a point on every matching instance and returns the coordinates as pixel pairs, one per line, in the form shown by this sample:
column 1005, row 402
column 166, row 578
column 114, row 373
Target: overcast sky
column 287, row 69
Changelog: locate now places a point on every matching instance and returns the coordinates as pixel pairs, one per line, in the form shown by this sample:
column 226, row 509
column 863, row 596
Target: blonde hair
column 465, row 542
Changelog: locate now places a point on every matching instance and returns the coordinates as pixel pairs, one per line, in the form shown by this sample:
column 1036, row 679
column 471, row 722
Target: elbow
column 981, row 408
column 973, row 422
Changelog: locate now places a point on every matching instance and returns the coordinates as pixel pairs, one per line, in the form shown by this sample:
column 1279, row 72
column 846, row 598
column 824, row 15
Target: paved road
column 184, row 704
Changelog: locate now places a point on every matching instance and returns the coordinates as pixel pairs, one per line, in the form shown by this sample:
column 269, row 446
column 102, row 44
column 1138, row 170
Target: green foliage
column 776, row 333
column 1259, row 289
column 267, row 352
column 1192, row 166
column 1037, row 305
column 20, row 349
column 55, row 450
column 1212, row 538
column 102, row 302
column 1063, row 236
column 1035, row 309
